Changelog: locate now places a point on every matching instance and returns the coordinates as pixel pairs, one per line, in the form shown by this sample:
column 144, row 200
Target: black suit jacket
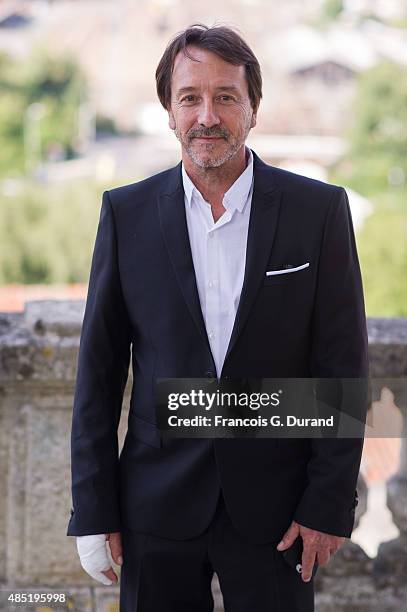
column 143, row 305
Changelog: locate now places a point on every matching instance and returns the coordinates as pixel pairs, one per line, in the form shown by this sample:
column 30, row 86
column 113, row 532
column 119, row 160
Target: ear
column 253, row 120
column 171, row 120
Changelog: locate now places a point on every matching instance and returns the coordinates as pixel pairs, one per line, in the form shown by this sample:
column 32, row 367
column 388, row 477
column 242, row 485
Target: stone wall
column 38, row 352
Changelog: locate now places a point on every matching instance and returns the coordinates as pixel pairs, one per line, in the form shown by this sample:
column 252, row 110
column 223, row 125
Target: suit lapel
column 262, row 227
column 174, row 227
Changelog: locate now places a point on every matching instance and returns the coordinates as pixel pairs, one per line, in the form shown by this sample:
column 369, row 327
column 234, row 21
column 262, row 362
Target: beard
column 206, row 155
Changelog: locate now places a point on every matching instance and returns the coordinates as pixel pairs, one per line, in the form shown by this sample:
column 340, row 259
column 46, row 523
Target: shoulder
column 300, row 193
column 140, row 190
column 311, row 202
column 297, row 183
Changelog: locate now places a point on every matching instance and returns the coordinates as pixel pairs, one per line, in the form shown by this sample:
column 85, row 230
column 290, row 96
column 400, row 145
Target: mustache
column 198, row 133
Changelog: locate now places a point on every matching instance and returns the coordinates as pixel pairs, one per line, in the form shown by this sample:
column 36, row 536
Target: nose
column 207, row 115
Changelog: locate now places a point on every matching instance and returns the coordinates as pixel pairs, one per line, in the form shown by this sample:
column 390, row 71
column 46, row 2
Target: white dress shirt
column 219, row 255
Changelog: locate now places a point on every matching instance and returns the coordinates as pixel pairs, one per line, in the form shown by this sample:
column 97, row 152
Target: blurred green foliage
column 379, row 125
column 57, row 86
column 47, row 232
column 376, row 166
column 382, row 245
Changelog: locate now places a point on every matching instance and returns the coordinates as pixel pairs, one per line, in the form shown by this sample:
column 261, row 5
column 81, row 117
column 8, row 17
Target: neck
column 213, row 183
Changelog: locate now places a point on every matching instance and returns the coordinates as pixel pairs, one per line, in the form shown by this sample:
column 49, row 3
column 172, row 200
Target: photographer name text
column 259, row 421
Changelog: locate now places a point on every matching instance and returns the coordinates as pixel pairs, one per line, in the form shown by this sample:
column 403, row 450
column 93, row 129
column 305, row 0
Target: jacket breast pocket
column 144, row 431
column 285, row 276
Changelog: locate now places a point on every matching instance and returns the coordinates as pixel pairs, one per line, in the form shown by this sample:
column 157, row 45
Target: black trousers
column 163, row 575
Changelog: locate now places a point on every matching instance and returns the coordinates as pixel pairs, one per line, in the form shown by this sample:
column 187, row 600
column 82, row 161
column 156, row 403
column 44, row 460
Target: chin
column 209, row 159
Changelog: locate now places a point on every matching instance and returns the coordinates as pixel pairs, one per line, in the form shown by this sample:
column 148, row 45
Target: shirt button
column 211, row 335
column 210, row 284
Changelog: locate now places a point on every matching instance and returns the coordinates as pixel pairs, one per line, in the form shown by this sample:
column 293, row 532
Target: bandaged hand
column 94, row 558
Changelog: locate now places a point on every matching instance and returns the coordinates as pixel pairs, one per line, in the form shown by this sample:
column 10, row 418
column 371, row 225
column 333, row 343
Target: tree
column 58, row 86
column 376, row 165
column 379, row 124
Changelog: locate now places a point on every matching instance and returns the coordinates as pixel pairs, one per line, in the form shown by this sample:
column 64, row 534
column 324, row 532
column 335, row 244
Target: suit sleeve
column 339, row 350
column 102, row 371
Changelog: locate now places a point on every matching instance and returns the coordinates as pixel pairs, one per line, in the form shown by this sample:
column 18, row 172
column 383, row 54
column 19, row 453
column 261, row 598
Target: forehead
column 210, row 69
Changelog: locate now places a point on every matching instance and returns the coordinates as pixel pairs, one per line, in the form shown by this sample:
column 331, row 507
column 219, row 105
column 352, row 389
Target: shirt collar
column 237, row 194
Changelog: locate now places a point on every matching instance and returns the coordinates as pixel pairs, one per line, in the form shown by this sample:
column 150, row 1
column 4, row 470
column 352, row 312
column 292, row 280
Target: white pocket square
column 287, row 270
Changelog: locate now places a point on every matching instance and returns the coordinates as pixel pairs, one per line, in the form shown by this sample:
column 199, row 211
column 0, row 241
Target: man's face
column 210, row 109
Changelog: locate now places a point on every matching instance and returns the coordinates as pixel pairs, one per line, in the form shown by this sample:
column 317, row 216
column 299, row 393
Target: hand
column 317, row 546
column 93, row 555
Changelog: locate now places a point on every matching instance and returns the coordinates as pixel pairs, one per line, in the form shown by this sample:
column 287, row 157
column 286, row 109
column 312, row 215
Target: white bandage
column 93, row 556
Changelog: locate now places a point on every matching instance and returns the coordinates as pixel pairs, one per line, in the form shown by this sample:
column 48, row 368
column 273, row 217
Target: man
column 179, row 273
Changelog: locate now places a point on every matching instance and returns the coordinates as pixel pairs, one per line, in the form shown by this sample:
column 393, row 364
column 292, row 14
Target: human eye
column 226, row 98
column 189, row 99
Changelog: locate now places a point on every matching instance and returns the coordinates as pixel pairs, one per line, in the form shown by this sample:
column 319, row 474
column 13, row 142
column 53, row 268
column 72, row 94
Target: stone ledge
column 41, row 343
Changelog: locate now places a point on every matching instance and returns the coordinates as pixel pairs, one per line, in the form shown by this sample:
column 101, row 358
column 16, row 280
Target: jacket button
column 209, row 374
